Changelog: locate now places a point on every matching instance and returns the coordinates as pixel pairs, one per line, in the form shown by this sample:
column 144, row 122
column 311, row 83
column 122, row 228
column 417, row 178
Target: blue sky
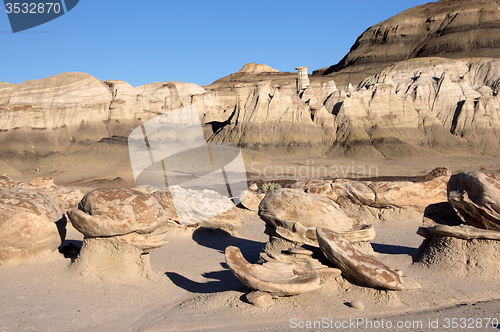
column 190, row 41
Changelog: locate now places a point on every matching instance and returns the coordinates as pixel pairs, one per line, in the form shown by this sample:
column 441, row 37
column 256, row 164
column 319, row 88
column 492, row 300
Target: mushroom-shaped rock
column 294, row 216
column 121, row 226
column 359, row 265
column 30, row 223
column 200, row 208
column 475, row 196
column 277, row 278
column 66, row 198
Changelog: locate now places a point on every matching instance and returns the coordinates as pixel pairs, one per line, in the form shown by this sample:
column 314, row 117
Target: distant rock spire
column 302, row 78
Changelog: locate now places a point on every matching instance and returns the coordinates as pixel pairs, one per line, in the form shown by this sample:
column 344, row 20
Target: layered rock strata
column 451, row 29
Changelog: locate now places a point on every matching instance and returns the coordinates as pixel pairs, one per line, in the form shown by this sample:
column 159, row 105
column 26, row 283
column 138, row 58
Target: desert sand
column 194, row 290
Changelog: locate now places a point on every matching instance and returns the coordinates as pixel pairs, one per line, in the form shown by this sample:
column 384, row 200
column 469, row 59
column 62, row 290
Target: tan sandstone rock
column 200, row 208
column 277, row 278
column 121, row 226
column 30, row 223
column 67, row 198
column 359, row 265
column 475, row 196
column 260, row 299
column 294, row 215
column 6, row 181
column 251, row 199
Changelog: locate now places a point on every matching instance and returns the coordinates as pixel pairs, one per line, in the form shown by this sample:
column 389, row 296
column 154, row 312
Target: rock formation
column 256, row 68
column 30, row 223
column 278, row 278
column 120, row 228
column 67, row 198
column 6, row 181
column 421, row 107
column 302, row 79
column 383, row 194
column 251, row 198
column 414, row 109
column 463, row 234
column 50, row 114
column 475, row 197
column 450, row 29
column 294, row 215
column 196, row 208
column 359, row 265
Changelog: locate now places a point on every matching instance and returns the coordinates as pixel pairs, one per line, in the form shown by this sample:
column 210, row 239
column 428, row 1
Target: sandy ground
column 197, row 292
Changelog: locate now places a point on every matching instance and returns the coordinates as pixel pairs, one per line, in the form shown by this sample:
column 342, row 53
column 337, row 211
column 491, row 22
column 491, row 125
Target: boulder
column 475, row 196
column 294, row 216
column 406, row 194
column 30, row 223
column 67, row 198
column 6, row 181
column 251, row 198
column 447, row 29
column 359, row 265
column 383, row 194
column 200, row 208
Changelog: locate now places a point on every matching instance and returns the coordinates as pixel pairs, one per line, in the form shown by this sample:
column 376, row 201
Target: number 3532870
column 32, row 8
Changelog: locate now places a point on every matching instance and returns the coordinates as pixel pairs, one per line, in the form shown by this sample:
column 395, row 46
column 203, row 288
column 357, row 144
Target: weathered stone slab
column 359, row 265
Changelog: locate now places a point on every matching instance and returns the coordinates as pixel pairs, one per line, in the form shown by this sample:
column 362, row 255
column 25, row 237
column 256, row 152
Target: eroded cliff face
column 422, row 107
column 416, row 108
column 48, row 115
column 448, row 28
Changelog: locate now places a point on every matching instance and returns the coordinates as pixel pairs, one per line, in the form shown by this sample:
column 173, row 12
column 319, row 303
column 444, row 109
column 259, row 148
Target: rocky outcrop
column 414, row 109
column 419, row 108
column 382, row 194
column 462, row 235
column 271, row 118
column 450, row 29
column 256, row 68
column 251, row 198
column 67, row 198
column 48, row 115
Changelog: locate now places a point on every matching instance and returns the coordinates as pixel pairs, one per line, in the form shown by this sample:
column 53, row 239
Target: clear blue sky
column 191, row 41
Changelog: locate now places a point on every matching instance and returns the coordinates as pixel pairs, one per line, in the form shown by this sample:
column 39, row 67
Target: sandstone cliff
column 416, row 108
column 49, row 115
column 447, row 28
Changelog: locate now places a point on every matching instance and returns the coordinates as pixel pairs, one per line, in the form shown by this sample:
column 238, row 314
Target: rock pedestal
column 302, row 78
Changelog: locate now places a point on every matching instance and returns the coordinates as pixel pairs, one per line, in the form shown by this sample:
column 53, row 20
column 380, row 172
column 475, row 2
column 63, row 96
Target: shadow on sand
column 392, row 249
column 224, row 280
